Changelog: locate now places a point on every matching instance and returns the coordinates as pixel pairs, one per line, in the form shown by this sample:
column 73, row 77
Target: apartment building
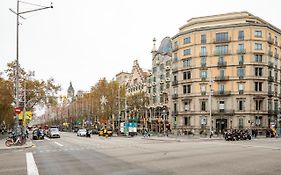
column 225, row 73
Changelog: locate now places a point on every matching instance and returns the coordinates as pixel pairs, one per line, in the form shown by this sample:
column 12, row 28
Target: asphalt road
column 73, row 155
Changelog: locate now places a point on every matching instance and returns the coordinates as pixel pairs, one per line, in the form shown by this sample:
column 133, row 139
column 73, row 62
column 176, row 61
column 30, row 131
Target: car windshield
column 82, row 130
column 54, row 129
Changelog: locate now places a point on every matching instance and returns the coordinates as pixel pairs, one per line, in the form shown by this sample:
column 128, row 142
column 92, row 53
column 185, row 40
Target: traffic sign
column 17, row 110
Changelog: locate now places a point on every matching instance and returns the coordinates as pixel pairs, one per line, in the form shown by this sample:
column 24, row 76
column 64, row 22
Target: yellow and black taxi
column 105, row 131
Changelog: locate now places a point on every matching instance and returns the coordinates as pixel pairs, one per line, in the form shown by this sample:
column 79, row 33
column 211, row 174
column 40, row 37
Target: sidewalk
column 182, row 138
column 28, row 144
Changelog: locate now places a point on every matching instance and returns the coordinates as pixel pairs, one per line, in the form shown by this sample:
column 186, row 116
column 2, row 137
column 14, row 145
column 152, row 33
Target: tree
column 38, row 92
column 6, row 99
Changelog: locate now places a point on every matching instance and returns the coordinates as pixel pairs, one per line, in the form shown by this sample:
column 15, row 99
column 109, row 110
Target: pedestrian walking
column 211, row 134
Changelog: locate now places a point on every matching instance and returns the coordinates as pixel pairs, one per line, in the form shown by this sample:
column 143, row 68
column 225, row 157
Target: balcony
column 276, row 55
column 225, row 111
column 270, row 64
column 175, row 48
column 270, row 40
column 174, row 83
column 270, row 78
column 241, row 77
column 175, row 113
column 222, row 63
column 270, row 93
column 221, row 93
column 203, row 65
column 241, row 63
column 241, row 92
column 167, row 79
column 175, row 96
column 203, row 78
column 241, row 51
column 222, row 40
column 220, row 53
column 203, row 93
column 270, row 53
column 203, row 54
column 241, row 38
column 273, row 111
column 222, row 78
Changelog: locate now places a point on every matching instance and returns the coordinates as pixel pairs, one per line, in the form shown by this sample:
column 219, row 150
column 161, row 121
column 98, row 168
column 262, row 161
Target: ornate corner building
column 225, row 73
column 158, row 86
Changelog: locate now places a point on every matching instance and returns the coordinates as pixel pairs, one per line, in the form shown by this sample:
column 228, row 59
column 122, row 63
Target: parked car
column 105, row 132
column 53, row 132
column 81, row 132
column 37, row 134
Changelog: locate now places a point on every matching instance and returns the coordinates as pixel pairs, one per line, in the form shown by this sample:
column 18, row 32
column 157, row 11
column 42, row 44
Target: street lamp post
column 19, row 14
column 210, row 104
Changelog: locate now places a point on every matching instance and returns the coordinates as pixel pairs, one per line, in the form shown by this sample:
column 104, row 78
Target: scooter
column 14, row 140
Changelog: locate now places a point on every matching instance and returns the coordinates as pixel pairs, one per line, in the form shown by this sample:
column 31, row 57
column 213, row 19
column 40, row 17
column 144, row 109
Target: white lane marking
column 58, row 144
column 31, row 165
column 47, row 138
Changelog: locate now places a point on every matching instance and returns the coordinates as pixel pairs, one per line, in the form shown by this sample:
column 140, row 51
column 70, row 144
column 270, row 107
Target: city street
column 120, row 155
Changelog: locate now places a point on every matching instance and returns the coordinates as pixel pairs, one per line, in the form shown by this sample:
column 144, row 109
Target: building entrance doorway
column 221, row 125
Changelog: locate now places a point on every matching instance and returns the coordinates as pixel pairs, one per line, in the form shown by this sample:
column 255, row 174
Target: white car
column 53, row 132
column 81, row 132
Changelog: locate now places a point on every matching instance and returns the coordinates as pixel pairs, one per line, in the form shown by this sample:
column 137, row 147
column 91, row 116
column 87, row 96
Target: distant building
column 70, row 92
column 123, row 78
column 137, row 80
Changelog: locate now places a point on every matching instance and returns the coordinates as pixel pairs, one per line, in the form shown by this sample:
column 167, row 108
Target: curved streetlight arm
column 35, row 10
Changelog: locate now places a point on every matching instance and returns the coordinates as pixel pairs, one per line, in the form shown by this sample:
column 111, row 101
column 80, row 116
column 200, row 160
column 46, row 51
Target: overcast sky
column 84, row 40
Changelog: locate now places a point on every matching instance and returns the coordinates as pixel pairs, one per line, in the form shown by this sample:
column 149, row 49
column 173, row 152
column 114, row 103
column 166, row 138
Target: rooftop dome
column 166, row 45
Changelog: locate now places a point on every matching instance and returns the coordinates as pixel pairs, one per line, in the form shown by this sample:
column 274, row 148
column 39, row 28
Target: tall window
column 203, row 89
column 258, row 58
column 241, row 59
column 221, row 105
column 176, row 57
column 258, row 46
column 203, row 51
column 258, row 86
column 203, row 61
column 221, row 36
column 241, row 123
column 203, row 74
column 203, row 39
column 186, row 63
column 186, row 40
column 203, row 106
column 186, row 89
column 240, row 88
column 258, row 33
column 187, row 52
column 221, row 72
column 241, row 35
column 240, row 72
column 221, row 88
column 240, row 48
column 258, row 71
column 186, row 75
column 186, row 105
column 175, row 107
column 187, row 121
column 258, row 104
column 241, row 105
column 222, row 49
